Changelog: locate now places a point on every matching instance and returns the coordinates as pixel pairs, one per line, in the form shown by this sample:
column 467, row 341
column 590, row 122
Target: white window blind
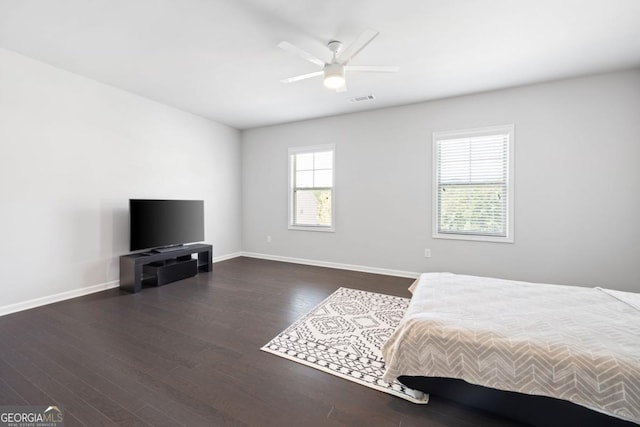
column 473, row 185
column 311, row 188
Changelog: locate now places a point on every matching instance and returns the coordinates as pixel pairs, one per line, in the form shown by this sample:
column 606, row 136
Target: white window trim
column 311, row 149
column 491, row 130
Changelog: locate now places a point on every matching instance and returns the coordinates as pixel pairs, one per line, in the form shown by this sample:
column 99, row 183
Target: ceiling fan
column 333, row 72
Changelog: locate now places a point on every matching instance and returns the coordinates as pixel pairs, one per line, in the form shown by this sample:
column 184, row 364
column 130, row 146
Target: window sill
column 321, row 228
column 473, row 237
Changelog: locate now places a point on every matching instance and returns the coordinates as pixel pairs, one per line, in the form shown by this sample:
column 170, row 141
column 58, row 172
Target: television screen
column 162, row 223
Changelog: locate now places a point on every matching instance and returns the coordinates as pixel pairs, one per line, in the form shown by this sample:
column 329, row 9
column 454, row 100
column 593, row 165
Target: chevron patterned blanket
column 573, row 343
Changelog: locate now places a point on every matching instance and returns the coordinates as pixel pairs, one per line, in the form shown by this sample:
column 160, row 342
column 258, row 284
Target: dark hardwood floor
column 189, row 354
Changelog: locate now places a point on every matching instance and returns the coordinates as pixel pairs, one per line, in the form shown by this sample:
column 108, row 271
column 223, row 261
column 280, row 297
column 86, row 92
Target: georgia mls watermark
column 31, row 416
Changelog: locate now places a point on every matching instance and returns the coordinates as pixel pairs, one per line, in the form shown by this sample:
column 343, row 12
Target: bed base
column 539, row 411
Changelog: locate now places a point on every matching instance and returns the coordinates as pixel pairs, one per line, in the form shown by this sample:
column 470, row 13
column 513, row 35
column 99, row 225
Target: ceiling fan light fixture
column 334, row 76
column 333, row 72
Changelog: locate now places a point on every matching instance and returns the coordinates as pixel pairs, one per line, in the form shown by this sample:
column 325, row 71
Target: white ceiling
column 219, row 58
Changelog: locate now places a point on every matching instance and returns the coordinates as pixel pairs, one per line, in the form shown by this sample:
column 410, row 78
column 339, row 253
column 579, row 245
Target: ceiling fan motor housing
column 334, row 46
column 334, row 75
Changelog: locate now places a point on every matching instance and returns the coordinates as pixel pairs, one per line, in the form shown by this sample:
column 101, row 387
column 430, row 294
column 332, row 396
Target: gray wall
column 72, row 152
column 577, row 194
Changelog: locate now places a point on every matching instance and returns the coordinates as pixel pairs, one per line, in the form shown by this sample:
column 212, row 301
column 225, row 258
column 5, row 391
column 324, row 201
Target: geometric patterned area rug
column 344, row 335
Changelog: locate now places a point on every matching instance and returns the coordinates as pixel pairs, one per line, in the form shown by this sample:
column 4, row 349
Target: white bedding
column 572, row 343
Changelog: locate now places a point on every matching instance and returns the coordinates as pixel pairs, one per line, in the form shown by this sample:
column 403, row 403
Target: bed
column 543, row 353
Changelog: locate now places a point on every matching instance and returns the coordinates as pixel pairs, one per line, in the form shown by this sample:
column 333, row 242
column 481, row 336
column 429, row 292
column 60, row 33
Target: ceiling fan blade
column 302, row 77
column 301, row 53
column 356, row 47
column 373, row 68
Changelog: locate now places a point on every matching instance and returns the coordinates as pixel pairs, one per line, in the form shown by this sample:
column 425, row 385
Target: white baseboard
column 226, row 257
column 340, row 266
column 37, row 302
column 49, row 299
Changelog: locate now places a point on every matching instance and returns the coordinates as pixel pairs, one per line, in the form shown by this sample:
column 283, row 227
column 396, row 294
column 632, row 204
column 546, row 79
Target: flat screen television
column 165, row 223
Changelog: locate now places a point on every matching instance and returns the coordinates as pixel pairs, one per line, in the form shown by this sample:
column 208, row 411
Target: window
column 473, row 184
column 311, row 188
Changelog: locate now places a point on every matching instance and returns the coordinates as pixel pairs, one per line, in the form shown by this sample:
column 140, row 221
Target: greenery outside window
column 473, row 184
column 311, row 191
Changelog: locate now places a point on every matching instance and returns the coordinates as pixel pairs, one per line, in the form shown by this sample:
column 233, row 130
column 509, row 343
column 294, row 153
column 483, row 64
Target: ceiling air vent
column 362, row 98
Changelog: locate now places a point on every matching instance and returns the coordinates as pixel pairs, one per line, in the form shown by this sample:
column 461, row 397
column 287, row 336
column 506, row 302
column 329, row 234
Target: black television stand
column 163, row 267
column 167, row 249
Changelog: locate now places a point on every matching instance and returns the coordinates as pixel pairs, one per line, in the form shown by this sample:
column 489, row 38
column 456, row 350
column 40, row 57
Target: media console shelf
column 164, row 267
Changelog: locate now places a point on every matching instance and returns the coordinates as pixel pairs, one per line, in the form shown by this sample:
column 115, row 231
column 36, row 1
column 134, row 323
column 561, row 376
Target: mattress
column 566, row 342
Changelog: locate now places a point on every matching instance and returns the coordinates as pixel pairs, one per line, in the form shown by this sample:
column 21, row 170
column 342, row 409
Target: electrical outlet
column 268, row 239
column 427, row 253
